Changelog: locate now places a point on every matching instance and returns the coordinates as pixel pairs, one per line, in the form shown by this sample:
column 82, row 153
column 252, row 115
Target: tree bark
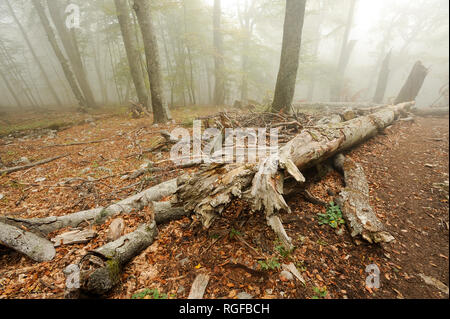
column 61, row 58
column 131, row 49
column 37, row 248
column 382, row 80
column 115, row 255
column 413, row 84
column 161, row 112
column 219, row 65
column 290, row 54
column 354, row 203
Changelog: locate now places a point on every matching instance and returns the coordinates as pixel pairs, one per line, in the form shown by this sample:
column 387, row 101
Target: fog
column 252, row 31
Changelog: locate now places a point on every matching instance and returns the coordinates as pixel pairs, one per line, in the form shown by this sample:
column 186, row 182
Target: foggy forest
column 224, row 149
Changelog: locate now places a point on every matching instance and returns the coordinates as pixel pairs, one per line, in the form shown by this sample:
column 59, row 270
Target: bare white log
column 74, row 237
column 355, row 206
column 96, row 215
column 435, row 111
column 113, row 256
column 37, row 248
column 199, row 286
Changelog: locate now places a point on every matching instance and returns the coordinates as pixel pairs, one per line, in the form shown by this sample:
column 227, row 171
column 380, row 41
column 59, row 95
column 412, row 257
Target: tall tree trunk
column 382, row 80
column 61, row 58
column 131, row 49
column 219, row 65
column 70, row 45
column 35, row 57
column 344, row 56
column 290, row 54
column 161, row 112
column 413, row 84
column 11, row 90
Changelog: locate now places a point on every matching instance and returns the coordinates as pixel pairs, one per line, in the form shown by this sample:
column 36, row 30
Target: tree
column 70, row 45
column 33, row 53
column 219, row 65
column 131, row 49
column 413, row 84
column 290, row 52
column 161, row 112
column 344, row 57
column 382, row 80
column 57, row 50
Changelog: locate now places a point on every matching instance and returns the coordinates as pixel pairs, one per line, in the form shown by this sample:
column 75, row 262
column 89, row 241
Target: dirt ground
column 403, row 167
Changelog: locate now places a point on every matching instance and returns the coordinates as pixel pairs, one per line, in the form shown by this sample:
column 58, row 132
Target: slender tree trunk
column 70, row 45
column 11, row 90
column 35, row 57
column 132, row 51
column 290, row 53
column 344, row 56
column 219, row 65
column 382, row 80
column 161, row 112
column 61, row 58
column 413, row 84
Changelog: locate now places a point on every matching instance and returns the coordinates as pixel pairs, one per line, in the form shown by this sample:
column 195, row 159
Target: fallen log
column 209, row 191
column 37, row 248
column 354, row 203
column 99, row 280
column 46, row 225
column 199, row 286
column 436, row 111
column 19, row 168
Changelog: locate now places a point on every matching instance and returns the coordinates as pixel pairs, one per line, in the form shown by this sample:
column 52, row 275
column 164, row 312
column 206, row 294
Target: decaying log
column 164, row 212
column 354, row 203
column 114, row 256
column 74, row 237
column 199, row 286
column 136, row 202
column 209, row 191
column 37, row 248
column 20, row 168
column 435, row 111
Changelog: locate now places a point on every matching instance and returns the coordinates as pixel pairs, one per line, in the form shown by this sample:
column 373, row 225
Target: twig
column 19, row 168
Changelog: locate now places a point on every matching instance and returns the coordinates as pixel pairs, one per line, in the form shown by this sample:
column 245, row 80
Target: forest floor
column 403, row 166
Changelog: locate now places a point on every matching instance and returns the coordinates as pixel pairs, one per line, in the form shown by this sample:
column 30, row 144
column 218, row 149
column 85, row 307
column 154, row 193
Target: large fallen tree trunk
column 35, row 247
column 102, row 276
column 354, row 203
column 209, row 192
column 46, row 225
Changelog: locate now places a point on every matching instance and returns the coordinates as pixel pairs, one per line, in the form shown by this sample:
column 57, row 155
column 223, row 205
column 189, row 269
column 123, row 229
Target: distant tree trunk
column 11, row 90
column 413, row 84
column 131, row 49
column 290, row 54
column 35, row 57
column 219, row 65
column 161, row 112
column 57, row 50
column 382, row 80
column 70, row 45
column 344, row 56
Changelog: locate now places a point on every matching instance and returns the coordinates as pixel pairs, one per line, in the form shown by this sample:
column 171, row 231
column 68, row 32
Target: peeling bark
column 354, row 203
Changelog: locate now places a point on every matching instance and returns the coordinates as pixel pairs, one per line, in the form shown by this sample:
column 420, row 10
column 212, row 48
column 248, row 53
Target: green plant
column 283, row 251
column 332, row 217
column 153, row 293
column 319, row 292
column 234, row 232
column 269, row 264
column 301, row 266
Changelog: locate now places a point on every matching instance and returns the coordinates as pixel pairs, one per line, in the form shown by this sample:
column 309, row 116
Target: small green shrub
column 269, row 264
column 332, row 217
column 319, row 293
column 153, row 293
